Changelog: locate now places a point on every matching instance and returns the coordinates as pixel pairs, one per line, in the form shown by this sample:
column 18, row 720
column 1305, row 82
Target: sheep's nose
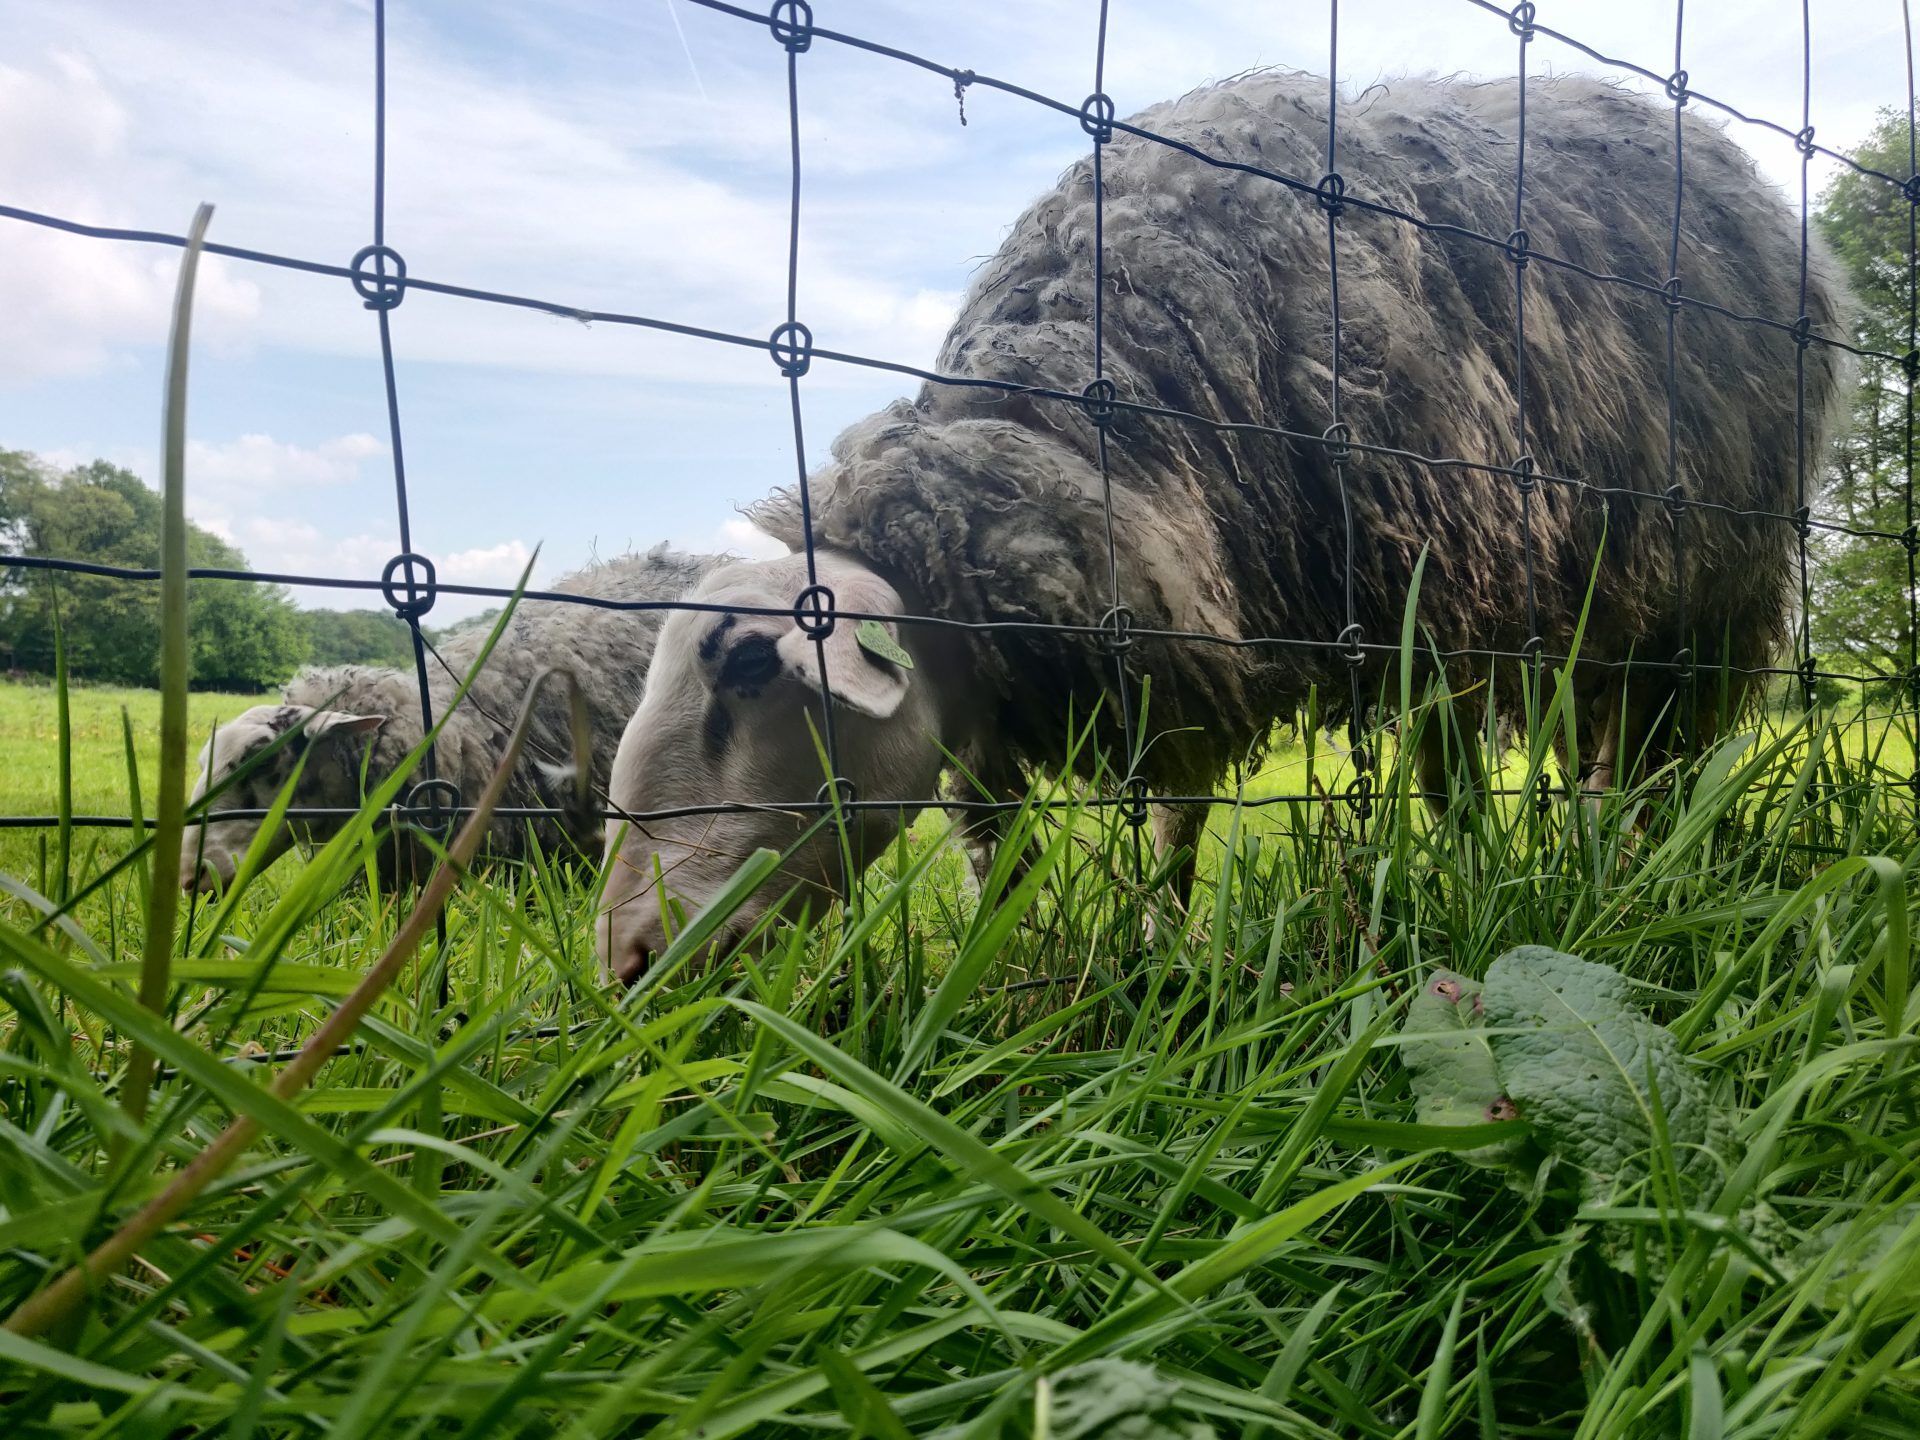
column 625, row 944
column 209, row 875
column 632, row 959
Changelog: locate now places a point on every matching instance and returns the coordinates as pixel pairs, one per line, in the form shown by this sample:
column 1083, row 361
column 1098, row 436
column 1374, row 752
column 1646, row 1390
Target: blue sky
column 625, row 156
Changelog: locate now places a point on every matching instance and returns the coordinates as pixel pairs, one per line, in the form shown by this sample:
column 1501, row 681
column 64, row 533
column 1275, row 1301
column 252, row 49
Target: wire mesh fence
column 380, row 278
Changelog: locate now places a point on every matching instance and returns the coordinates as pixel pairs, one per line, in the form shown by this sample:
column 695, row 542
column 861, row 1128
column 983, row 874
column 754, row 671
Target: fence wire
column 380, row 277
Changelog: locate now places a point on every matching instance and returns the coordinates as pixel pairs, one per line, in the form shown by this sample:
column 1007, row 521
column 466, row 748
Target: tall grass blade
column 170, row 803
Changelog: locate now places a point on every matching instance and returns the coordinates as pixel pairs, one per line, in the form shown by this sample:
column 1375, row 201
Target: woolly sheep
column 974, row 504
column 345, row 711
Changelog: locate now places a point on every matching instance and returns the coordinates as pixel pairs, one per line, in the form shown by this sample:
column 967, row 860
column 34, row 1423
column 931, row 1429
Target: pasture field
column 1050, row 1156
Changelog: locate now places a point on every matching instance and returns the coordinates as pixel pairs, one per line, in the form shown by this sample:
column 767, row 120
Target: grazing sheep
column 345, row 710
column 974, row 504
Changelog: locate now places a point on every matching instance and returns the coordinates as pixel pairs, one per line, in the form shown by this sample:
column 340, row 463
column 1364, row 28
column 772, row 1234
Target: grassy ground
column 30, row 759
column 1063, row 1159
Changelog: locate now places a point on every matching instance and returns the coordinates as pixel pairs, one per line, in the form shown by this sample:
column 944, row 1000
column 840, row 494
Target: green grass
column 30, row 742
column 938, row 1165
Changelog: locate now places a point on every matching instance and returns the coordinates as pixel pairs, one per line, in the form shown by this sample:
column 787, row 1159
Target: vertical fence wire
column 1684, row 688
column 382, row 295
column 1801, row 325
column 1910, row 537
column 791, row 23
column 1518, row 247
column 1332, row 191
column 1096, row 118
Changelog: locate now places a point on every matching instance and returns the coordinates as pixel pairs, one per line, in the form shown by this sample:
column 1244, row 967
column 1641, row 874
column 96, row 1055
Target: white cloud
column 74, row 306
column 500, row 564
column 738, row 537
column 259, row 462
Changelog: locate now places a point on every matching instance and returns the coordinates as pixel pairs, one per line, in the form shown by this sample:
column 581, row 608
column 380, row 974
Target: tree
column 1862, row 596
column 240, row 635
column 357, row 637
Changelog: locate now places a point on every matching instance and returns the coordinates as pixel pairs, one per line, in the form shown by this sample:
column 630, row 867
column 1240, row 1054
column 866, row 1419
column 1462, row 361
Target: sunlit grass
column 913, row 1168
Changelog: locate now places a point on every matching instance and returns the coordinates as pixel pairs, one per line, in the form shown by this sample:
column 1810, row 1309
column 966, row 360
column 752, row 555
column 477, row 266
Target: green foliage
column 241, row 635
column 1444, row 1044
column 1075, row 1161
column 357, row 637
column 1604, row 1089
column 1862, row 616
column 1114, row 1400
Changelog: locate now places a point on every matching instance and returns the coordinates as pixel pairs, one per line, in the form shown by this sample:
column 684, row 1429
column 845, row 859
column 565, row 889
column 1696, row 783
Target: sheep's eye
column 751, row 664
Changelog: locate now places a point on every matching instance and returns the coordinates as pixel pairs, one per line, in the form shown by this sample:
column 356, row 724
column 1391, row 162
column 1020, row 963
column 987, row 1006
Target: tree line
column 242, row 635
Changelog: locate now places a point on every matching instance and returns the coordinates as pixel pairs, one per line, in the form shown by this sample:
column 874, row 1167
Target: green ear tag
column 873, row 637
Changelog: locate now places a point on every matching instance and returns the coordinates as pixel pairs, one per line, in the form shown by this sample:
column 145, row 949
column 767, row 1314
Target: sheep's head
column 731, row 714
column 326, row 741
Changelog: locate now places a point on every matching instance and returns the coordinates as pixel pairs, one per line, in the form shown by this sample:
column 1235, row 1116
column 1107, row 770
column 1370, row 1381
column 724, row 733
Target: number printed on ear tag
column 873, row 637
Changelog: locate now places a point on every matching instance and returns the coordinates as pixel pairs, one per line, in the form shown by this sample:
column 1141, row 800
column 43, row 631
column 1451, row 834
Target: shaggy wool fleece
column 984, row 506
column 608, row 652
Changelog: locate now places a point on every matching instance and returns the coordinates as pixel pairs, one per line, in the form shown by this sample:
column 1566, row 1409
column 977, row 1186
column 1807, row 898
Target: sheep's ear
column 870, row 677
column 338, row 723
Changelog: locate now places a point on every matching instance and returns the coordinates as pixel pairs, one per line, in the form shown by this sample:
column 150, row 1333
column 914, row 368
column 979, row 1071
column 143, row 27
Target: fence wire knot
column 1117, row 630
column 1803, row 140
column 1134, row 805
column 791, row 22
column 961, row 81
column 1518, row 247
column 1360, row 792
column 813, row 612
column 1803, row 521
column 1677, row 87
column 1542, row 795
column 792, row 349
column 1331, row 192
column 1910, row 537
column 1682, row 664
column 1910, row 362
column 838, row 792
column 1531, row 651
column 1676, row 500
column 1524, row 480
column 419, row 592
column 1096, row 117
column 1348, row 642
column 1911, row 189
column 1803, row 331
column 1337, row 439
column 431, row 807
column 1672, row 292
column 380, row 290
column 1097, row 400
column 1520, row 20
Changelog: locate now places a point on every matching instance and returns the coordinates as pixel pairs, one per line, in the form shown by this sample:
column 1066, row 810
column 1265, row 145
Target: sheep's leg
column 984, row 834
column 1175, row 826
column 1603, row 759
column 1430, row 760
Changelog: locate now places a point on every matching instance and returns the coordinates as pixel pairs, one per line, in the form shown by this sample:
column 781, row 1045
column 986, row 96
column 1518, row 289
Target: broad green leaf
column 1455, row 1083
column 1112, row 1400
column 1604, row 1088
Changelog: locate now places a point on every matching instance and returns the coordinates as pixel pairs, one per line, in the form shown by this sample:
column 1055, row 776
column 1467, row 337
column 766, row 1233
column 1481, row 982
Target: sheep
column 976, row 504
column 350, row 714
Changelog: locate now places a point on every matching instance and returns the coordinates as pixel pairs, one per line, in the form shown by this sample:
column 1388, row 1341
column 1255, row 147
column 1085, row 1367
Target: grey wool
column 981, row 505
column 355, row 715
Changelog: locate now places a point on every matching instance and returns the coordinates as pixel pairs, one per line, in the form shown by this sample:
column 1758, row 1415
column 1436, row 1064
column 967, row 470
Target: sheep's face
column 330, row 777
column 732, row 714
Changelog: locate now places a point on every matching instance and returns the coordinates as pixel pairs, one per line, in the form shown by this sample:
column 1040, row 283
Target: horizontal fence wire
column 381, row 278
